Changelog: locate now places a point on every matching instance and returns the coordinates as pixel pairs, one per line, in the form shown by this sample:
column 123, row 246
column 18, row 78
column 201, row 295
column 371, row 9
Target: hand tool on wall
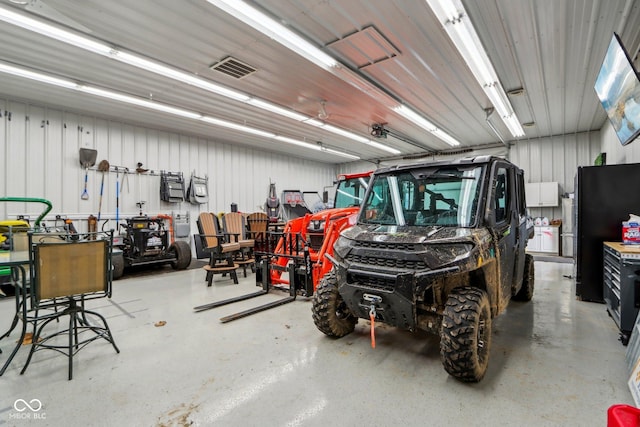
column 87, row 159
column 140, row 170
column 117, row 196
column 85, row 193
column 92, row 226
column 103, row 167
column 125, row 180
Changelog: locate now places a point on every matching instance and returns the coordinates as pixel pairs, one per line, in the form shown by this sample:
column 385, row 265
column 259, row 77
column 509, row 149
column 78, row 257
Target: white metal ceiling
column 552, row 49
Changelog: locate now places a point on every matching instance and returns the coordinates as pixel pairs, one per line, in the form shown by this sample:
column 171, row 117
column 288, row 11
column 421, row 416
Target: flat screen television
column 618, row 89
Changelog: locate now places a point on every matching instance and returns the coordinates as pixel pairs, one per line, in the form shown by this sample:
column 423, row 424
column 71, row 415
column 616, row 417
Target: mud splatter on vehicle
column 439, row 247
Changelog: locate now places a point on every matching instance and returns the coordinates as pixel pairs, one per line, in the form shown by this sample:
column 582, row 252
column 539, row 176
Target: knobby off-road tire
column 526, row 291
column 182, row 252
column 465, row 339
column 330, row 313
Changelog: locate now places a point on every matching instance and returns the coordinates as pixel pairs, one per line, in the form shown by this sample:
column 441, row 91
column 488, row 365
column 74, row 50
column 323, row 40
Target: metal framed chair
column 65, row 273
column 14, row 269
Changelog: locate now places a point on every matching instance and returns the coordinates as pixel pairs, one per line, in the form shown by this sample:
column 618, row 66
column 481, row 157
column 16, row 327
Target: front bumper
column 398, row 291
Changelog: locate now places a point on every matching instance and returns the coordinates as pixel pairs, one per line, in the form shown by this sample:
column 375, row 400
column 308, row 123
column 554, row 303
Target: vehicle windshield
column 313, row 201
column 350, row 192
column 444, row 196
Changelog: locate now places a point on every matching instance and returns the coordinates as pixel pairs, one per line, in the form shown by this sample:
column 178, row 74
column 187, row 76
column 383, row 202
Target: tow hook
column 373, row 300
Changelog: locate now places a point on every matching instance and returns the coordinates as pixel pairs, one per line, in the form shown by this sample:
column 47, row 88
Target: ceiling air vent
column 234, row 68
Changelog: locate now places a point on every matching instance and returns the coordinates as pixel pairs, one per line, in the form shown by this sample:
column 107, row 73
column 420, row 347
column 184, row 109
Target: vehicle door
column 505, row 223
column 522, row 234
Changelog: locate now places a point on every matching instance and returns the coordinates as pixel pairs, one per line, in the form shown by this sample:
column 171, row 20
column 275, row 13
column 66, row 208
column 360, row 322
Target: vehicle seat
column 425, row 218
column 410, row 217
column 448, row 218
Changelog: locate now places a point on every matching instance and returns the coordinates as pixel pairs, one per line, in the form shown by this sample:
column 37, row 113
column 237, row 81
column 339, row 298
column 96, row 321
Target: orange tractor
column 299, row 249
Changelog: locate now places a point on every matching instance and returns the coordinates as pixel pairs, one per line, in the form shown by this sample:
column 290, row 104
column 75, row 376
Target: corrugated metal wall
column 40, row 150
column 556, row 159
column 362, row 166
column 616, row 152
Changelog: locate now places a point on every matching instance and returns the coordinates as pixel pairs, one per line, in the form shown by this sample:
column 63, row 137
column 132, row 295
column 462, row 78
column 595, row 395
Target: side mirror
column 325, row 197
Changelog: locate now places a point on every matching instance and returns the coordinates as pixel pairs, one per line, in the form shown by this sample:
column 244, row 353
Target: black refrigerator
column 604, row 197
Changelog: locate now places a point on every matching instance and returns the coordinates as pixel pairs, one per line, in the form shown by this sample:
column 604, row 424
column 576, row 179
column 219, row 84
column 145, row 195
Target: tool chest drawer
column 621, row 285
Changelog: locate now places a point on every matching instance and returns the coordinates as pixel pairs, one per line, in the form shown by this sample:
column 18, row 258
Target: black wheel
column 330, row 314
column 117, row 262
column 526, row 291
column 182, row 252
column 465, row 339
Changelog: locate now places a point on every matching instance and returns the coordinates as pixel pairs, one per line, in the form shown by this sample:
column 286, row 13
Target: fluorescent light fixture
column 103, row 49
column 45, row 29
column 297, row 142
column 446, row 137
column 277, row 109
column 132, row 100
column 316, row 123
column 314, row 147
column 350, row 135
column 235, row 126
column 172, row 73
column 137, row 61
column 489, row 112
column 454, row 19
column 384, row 147
column 513, row 124
column 21, row 72
column 499, row 99
column 138, row 101
column 408, row 113
column 346, row 134
column 273, row 29
column 361, row 139
column 338, row 153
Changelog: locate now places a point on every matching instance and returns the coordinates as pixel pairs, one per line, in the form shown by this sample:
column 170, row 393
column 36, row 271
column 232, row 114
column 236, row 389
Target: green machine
column 9, row 227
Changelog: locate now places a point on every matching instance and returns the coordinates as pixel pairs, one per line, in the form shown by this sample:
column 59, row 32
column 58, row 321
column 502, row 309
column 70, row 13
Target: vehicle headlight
column 447, row 253
column 341, row 248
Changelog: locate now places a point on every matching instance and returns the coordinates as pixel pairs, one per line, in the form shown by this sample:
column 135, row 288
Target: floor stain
column 179, row 416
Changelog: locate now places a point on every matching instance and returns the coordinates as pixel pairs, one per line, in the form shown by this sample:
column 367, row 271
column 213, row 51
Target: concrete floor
column 554, row 362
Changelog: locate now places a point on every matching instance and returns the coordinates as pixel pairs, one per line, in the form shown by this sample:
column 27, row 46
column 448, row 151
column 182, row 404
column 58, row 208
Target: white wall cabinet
column 545, row 239
column 542, row 194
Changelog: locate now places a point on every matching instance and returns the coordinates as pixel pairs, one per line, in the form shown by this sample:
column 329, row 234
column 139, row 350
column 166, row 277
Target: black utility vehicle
column 439, row 247
column 145, row 241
